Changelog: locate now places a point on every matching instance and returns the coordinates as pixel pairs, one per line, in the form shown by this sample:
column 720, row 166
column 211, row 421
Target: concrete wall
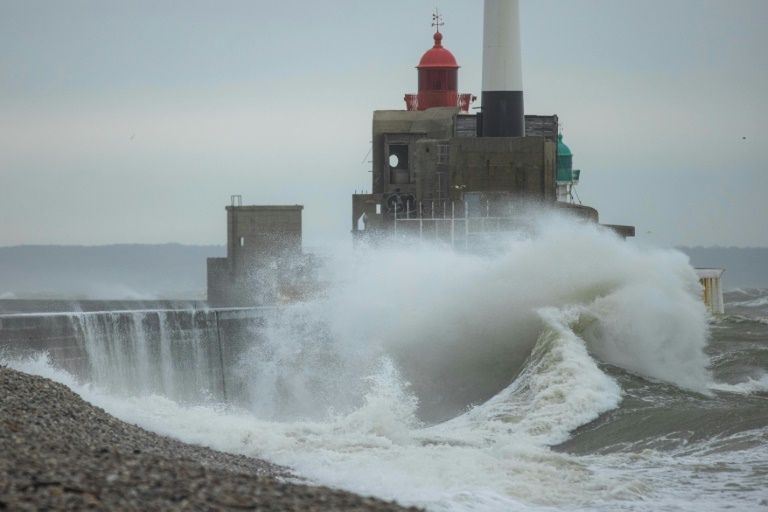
column 505, row 173
column 187, row 355
column 258, row 238
column 441, row 167
column 432, row 123
column 523, row 166
column 219, row 282
column 27, row 335
column 258, row 232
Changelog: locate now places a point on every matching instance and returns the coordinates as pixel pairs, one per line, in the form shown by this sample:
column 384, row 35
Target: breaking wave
column 441, row 379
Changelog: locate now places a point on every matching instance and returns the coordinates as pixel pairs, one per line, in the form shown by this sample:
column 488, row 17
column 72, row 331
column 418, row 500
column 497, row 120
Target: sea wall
column 188, row 355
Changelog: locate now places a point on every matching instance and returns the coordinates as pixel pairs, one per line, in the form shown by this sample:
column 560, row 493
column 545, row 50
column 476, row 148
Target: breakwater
column 188, row 355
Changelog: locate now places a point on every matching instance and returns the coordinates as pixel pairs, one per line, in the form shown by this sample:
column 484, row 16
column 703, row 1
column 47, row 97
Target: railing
column 412, row 101
column 431, row 99
column 458, row 225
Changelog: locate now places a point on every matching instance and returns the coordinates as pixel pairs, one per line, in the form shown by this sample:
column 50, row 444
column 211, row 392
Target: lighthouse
column 442, row 173
column 439, row 173
column 502, row 96
column 438, row 77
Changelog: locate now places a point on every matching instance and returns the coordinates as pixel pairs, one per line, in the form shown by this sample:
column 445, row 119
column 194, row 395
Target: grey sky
column 134, row 122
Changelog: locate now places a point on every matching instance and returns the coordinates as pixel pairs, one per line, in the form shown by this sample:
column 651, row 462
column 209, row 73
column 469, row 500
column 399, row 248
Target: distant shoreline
column 179, row 272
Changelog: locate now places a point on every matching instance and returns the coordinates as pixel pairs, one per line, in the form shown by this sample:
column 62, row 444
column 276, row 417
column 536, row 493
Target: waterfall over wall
column 187, row 355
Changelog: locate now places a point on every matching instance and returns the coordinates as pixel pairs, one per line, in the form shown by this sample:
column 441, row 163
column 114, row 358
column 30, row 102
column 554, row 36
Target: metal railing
column 456, row 226
column 430, row 99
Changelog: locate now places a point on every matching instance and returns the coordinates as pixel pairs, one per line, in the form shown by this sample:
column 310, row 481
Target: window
column 398, row 156
column 442, row 153
column 399, row 170
column 242, row 241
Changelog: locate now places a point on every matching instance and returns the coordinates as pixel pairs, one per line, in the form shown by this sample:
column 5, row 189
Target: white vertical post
column 453, row 224
column 421, row 221
column 466, row 227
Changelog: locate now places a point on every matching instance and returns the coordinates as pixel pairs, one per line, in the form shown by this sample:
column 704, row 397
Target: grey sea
column 521, row 380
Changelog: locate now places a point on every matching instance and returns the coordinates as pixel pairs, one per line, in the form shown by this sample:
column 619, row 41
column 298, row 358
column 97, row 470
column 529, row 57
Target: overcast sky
column 135, row 121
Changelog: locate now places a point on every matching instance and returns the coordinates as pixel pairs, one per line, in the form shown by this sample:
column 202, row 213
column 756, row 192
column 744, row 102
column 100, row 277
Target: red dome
column 437, row 56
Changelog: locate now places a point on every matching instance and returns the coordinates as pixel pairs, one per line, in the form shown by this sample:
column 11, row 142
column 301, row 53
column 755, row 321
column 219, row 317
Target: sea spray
column 460, row 326
column 150, row 352
column 441, row 379
column 299, row 370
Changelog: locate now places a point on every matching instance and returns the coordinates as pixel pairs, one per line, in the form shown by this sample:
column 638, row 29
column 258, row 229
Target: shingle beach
column 58, row 452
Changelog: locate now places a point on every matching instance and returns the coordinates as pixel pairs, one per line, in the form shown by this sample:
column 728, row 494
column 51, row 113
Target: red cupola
column 438, row 57
column 438, row 80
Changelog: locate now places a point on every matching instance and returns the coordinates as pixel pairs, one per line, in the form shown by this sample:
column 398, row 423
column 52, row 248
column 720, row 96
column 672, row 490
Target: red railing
column 465, row 100
column 431, row 99
column 412, row 101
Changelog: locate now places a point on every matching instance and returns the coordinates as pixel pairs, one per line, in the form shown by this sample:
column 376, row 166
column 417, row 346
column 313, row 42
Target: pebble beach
column 59, row 452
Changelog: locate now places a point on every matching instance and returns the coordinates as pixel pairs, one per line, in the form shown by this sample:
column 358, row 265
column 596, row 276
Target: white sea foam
column 754, row 303
column 759, row 385
column 379, row 450
column 559, row 389
column 353, row 389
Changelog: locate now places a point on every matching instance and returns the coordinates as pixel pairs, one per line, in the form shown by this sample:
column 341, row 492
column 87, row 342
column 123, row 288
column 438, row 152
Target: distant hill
column 744, row 267
column 138, row 272
column 174, row 271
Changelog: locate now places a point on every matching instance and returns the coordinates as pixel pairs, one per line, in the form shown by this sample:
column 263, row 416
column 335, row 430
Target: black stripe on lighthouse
column 502, row 96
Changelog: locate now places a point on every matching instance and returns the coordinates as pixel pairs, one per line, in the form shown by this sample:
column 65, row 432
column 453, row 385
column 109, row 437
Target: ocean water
column 565, row 370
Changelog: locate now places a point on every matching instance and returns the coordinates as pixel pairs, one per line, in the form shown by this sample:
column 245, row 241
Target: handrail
column 429, row 99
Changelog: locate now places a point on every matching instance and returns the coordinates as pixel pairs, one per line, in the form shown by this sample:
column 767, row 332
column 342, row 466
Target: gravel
column 58, row 452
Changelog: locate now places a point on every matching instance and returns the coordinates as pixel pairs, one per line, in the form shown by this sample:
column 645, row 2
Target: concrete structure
column 443, row 164
column 712, row 292
column 261, row 242
column 438, row 172
column 191, row 356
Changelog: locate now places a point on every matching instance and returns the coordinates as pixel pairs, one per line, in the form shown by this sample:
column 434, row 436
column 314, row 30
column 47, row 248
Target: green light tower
column 567, row 176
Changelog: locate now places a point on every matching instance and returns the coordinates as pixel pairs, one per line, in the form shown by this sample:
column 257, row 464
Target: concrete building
column 262, row 242
column 437, row 168
column 438, row 172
